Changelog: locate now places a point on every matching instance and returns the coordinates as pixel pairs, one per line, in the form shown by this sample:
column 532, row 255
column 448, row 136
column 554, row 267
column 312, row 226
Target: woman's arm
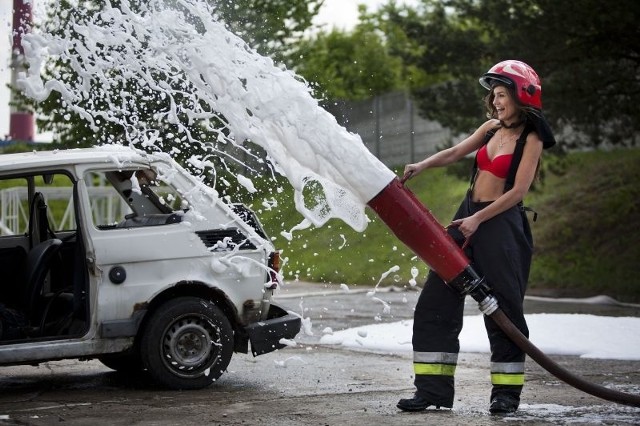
column 454, row 153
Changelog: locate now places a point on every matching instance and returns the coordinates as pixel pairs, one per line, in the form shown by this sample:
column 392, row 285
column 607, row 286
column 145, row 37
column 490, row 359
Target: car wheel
column 187, row 343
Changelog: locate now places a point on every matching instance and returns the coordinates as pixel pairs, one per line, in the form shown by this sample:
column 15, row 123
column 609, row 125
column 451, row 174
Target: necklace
column 501, row 144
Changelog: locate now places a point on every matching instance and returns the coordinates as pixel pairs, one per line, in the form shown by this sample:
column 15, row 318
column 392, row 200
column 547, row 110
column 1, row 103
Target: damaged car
column 123, row 256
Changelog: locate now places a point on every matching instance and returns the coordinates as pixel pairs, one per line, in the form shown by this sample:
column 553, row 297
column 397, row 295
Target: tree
column 351, row 65
column 52, row 114
column 269, row 26
column 266, row 24
column 445, row 46
column 587, row 53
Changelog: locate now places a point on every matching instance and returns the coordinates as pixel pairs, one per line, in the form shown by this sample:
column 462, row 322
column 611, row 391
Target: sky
column 342, row 14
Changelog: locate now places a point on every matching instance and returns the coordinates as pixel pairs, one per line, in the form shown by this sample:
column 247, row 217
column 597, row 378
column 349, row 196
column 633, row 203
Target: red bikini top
column 498, row 167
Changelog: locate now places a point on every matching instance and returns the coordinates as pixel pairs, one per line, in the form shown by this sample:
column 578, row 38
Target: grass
column 586, row 236
column 588, row 233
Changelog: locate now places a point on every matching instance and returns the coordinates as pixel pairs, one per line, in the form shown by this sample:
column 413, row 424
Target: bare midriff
column 487, row 187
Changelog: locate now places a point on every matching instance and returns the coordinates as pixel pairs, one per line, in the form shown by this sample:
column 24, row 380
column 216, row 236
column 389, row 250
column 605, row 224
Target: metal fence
column 106, row 207
column 391, row 128
column 389, row 125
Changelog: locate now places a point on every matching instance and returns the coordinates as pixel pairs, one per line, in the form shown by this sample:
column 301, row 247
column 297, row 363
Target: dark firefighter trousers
column 500, row 250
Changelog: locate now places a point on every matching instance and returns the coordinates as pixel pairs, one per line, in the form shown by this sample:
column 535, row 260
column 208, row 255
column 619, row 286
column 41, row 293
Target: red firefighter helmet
column 518, row 76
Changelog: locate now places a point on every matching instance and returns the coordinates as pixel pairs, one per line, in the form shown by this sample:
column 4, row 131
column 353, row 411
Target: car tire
column 187, row 343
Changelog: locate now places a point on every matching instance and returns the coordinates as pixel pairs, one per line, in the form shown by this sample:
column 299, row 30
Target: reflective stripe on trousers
column 507, row 373
column 435, row 363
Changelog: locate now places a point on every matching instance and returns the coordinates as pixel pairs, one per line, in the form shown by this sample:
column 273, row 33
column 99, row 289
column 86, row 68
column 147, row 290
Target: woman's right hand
column 410, row 170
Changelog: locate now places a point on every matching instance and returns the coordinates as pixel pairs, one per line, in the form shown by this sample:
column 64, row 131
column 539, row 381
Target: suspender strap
column 513, row 169
column 515, row 160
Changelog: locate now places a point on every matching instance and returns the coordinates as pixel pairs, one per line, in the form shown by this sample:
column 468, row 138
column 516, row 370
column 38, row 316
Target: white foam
column 204, row 72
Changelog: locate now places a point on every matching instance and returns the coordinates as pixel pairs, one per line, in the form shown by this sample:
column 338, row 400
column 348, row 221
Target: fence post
column 376, row 106
column 412, row 133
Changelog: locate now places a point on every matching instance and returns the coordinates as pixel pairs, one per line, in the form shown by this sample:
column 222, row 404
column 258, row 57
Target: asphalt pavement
column 313, row 384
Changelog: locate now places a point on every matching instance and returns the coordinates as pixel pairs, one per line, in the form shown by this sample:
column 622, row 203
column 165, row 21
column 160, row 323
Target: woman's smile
column 503, row 104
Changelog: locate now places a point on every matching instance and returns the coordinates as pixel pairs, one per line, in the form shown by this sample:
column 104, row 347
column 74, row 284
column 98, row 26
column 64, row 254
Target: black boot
column 417, row 403
column 503, row 404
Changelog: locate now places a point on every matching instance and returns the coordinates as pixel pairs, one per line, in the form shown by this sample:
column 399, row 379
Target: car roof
column 115, row 154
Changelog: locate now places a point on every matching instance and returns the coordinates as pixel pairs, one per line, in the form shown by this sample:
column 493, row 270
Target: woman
column 492, row 228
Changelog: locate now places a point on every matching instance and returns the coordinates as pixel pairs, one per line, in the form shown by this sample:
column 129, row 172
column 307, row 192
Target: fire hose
column 417, row 228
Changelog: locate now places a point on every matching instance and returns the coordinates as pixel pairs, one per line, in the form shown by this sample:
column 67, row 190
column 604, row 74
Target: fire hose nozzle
column 488, row 306
column 468, row 282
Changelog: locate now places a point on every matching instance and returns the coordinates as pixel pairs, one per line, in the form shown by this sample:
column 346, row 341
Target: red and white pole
column 22, row 123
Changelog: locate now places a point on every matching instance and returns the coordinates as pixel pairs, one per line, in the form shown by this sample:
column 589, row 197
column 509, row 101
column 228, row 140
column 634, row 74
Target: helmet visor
column 489, row 80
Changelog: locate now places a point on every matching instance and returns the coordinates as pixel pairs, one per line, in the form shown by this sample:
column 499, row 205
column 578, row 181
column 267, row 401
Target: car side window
column 54, row 192
column 14, row 207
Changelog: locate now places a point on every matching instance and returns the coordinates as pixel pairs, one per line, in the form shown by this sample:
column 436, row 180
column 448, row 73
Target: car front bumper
column 265, row 335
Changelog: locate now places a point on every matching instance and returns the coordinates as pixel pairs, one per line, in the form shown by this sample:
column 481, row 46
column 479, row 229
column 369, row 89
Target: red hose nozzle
column 416, row 227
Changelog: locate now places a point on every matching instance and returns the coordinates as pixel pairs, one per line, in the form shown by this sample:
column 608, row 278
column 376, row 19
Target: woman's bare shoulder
column 533, row 137
column 487, row 126
column 491, row 124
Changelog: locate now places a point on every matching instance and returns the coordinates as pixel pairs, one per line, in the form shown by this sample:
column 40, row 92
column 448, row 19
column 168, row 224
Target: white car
column 114, row 254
